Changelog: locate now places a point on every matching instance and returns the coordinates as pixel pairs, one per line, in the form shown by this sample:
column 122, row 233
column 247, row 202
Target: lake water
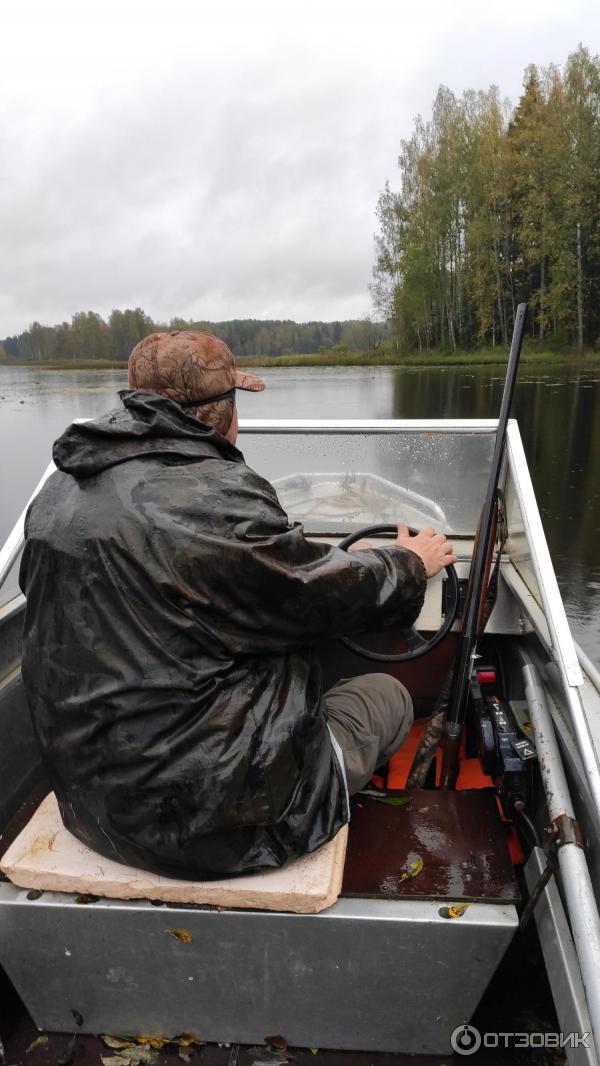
column 558, row 412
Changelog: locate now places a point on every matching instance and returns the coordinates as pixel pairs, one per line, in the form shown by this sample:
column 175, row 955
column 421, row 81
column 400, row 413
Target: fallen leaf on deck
column 423, row 810
column 153, row 1041
column 180, row 934
column 412, row 869
column 456, row 910
column 183, row 1055
column 140, row 1054
column 277, row 1042
column 393, row 801
column 117, row 1041
column 39, row 1040
column 131, row 1056
column 314, row 1050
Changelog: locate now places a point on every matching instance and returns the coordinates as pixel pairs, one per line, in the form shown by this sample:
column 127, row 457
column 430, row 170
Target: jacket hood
column 146, row 424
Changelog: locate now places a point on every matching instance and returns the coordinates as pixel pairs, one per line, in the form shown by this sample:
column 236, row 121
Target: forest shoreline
column 374, row 359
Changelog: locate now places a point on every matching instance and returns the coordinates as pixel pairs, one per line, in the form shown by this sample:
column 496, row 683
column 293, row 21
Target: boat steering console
column 416, row 645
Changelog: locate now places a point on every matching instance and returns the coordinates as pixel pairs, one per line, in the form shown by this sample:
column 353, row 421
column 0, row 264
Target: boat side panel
column 372, row 975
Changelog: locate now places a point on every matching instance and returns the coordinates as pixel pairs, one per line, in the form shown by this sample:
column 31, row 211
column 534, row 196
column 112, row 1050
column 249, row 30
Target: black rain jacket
column 169, row 646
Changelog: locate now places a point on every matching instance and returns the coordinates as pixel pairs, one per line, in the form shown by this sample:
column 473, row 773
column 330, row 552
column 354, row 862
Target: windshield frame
column 359, row 425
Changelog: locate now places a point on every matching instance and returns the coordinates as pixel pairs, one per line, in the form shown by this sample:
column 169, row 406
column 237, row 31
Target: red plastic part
column 471, row 776
column 486, row 677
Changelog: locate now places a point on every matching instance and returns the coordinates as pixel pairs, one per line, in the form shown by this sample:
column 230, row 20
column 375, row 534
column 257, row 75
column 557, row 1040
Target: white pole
column 576, row 882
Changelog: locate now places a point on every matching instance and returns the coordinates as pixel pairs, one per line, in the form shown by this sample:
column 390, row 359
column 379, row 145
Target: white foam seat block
column 46, row 856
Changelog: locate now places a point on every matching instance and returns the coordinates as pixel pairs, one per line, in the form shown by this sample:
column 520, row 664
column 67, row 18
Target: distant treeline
column 497, row 205
column 88, row 336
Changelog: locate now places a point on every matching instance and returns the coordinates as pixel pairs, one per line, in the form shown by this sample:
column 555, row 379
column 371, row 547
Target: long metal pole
column 467, row 640
column 576, row 881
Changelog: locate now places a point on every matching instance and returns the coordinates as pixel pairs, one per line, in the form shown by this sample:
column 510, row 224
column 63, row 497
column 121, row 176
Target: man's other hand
column 433, row 548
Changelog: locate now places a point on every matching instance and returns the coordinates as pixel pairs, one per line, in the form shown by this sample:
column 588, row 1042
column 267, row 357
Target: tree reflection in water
column 558, row 410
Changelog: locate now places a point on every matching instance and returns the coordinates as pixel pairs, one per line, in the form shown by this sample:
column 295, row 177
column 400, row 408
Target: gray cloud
column 231, row 167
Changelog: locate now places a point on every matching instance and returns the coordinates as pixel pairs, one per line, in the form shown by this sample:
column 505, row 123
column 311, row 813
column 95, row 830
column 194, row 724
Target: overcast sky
column 224, row 161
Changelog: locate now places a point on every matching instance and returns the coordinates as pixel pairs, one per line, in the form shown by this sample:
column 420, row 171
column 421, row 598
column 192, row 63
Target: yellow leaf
column 162, row 1041
column 180, row 934
column 131, row 1056
column 412, row 869
column 39, row 1040
column 117, row 1041
column 456, row 910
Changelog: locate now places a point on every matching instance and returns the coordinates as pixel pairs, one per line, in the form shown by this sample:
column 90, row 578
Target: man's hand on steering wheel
column 436, row 554
column 431, row 547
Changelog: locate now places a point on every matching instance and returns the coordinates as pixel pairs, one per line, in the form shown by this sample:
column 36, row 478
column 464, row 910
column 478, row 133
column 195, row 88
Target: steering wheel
column 416, row 645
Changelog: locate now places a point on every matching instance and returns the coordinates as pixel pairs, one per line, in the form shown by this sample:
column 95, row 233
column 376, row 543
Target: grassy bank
column 490, row 357
column 69, row 364
column 487, row 357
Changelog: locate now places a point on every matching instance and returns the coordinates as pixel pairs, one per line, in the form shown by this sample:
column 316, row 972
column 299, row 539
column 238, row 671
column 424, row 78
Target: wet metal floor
column 455, row 840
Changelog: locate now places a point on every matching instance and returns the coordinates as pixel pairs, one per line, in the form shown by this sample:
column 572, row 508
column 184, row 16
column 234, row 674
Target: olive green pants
column 370, row 717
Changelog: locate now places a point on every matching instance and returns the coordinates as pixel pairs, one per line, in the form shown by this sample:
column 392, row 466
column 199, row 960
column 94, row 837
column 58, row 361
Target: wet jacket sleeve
column 276, row 589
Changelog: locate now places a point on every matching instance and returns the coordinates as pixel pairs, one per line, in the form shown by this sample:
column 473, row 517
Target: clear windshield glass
column 518, row 544
column 337, row 481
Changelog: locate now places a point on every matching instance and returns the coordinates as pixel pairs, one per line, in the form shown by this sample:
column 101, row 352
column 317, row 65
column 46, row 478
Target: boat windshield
column 337, row 477
column 337, row 480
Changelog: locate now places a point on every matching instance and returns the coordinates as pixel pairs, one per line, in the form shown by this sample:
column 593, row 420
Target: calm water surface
column 558, row 412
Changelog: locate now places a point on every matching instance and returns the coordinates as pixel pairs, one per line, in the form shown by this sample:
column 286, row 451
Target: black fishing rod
column 482, row 553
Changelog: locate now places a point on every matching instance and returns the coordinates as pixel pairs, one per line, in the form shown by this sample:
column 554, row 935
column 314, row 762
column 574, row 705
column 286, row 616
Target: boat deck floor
column 456, row 841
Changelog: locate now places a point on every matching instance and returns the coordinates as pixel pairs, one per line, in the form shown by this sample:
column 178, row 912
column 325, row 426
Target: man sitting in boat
column 169, row 644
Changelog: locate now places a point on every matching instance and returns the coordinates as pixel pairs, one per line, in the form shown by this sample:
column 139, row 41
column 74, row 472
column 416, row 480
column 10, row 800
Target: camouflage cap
column 196, row 370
